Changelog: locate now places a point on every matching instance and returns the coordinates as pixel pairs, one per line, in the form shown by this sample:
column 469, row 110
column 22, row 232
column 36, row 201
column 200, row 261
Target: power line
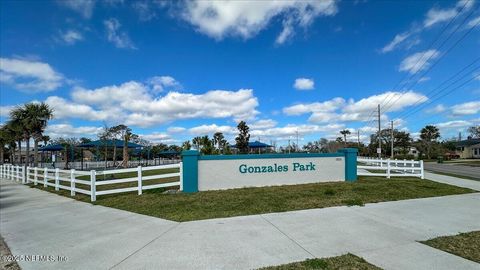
column 440, row 58
column 390, row 95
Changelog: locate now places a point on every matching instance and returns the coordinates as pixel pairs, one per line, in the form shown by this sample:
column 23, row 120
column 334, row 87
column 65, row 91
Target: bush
column 407, row 157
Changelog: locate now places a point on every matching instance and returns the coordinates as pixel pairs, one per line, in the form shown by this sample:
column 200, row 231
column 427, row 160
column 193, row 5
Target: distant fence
column 86, row 182
column 390, row 168
column 93, row 165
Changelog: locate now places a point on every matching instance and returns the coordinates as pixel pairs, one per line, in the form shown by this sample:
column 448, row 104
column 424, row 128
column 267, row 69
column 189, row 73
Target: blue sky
column 175, row 70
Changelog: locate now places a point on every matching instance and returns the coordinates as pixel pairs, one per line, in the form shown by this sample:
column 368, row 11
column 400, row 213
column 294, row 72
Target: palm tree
column 33, row 118
column 345, row 132
column 428, row 135
column 196, row 142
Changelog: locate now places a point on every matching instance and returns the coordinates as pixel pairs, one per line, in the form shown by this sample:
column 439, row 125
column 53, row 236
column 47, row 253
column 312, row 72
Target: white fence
column 91, row 165
column 86, row 182
column 390, row 168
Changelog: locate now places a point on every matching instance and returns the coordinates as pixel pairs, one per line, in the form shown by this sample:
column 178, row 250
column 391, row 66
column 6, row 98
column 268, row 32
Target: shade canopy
column 257, row 144
column 51, row 148
column 169, row 153
column 109, row 143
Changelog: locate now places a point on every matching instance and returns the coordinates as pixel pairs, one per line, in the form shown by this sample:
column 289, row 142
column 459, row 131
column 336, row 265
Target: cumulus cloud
column 304, row 84
column 64, row 109
column 211, row 129
column 137, row 104
column 29, row 75
column 338, row 109
column 418, row 61
column 263, row 124
column 83, row 7
column 437, row 109
column 71, row 36
column 67, row 130
column 219, row 19
column 459, row 124
column 161, row 83
column 467, row 108
column 116, row 36
column 159, row 137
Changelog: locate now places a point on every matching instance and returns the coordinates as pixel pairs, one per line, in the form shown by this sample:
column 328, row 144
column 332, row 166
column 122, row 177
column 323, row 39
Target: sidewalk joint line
column 151, row 241
column 291, row 239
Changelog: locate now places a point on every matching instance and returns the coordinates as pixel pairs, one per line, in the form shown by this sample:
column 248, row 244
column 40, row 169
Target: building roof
column 51, row 147
column 468, row 142
column 109, row 143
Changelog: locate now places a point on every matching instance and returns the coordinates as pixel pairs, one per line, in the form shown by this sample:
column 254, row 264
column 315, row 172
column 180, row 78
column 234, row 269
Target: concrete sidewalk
column 455, row 181
column 34, row 222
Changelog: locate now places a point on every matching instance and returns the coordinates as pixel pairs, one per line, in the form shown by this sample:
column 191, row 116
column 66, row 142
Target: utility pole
column 358, row 137
column 296, row 150
column 391, row 137
column 379, row 150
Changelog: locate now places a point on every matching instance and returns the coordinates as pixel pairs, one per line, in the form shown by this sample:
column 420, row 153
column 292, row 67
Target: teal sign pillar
column 350, row 163
column 190, row 170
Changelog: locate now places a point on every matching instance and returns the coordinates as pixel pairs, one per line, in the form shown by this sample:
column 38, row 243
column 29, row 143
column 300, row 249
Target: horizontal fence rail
column 96, row 165
column 368, row 166
column 86, row 182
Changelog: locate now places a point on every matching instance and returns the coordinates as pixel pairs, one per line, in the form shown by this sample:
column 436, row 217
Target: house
column 469, row 148
column 412, row 151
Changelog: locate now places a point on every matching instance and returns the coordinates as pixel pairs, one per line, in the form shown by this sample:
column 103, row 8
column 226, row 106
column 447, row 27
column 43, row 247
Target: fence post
column 139, row 174
column 93, row 187
column 27, row 173
column 57, row 172
column 35, row 176
column 421, row 170
column 72, row 182
column 181, row 176
column 45, row 176
column 388, row 168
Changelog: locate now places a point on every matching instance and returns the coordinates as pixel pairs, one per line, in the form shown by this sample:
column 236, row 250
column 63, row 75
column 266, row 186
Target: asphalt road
column 454, row 169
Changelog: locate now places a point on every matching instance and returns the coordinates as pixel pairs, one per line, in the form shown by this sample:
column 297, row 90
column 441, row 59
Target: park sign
column 216, row 172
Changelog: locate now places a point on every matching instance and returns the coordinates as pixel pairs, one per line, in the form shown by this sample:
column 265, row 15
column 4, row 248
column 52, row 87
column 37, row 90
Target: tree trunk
column 35, row 153
column 19, row 152
column 27, row 152
column 125, row 152
column 114, row 154
column 2, row 155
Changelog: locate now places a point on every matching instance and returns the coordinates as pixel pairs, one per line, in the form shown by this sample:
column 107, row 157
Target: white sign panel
column 238, row 173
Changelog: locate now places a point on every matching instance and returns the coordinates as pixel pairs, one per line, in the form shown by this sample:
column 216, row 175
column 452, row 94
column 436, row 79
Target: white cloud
column 119, row 38
column 459, row 124
column 67, row 130
column 436, row 15
column 473, row 22
column 141, row 107
column 467, row 108
column 263, row 124
column 29, row 75
column 64, row 109
column 144, row 10
column 340, row 111
column 219, row 19
column 287, row 33
column 326, row 106
column 160, row 83
column 5, row 112
column 398, row 39
column 304, row 84
column 437, row 109
column 159, row 137
column 418, row 61
column 175, row 130
column 71, row 37
column 290, row 131
column 211, row 129
column 83, row 7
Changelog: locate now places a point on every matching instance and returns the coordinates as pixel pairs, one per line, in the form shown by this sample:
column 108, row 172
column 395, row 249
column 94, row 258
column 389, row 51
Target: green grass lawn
column 250, row 201
column 466, row 245
column 348, row 261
